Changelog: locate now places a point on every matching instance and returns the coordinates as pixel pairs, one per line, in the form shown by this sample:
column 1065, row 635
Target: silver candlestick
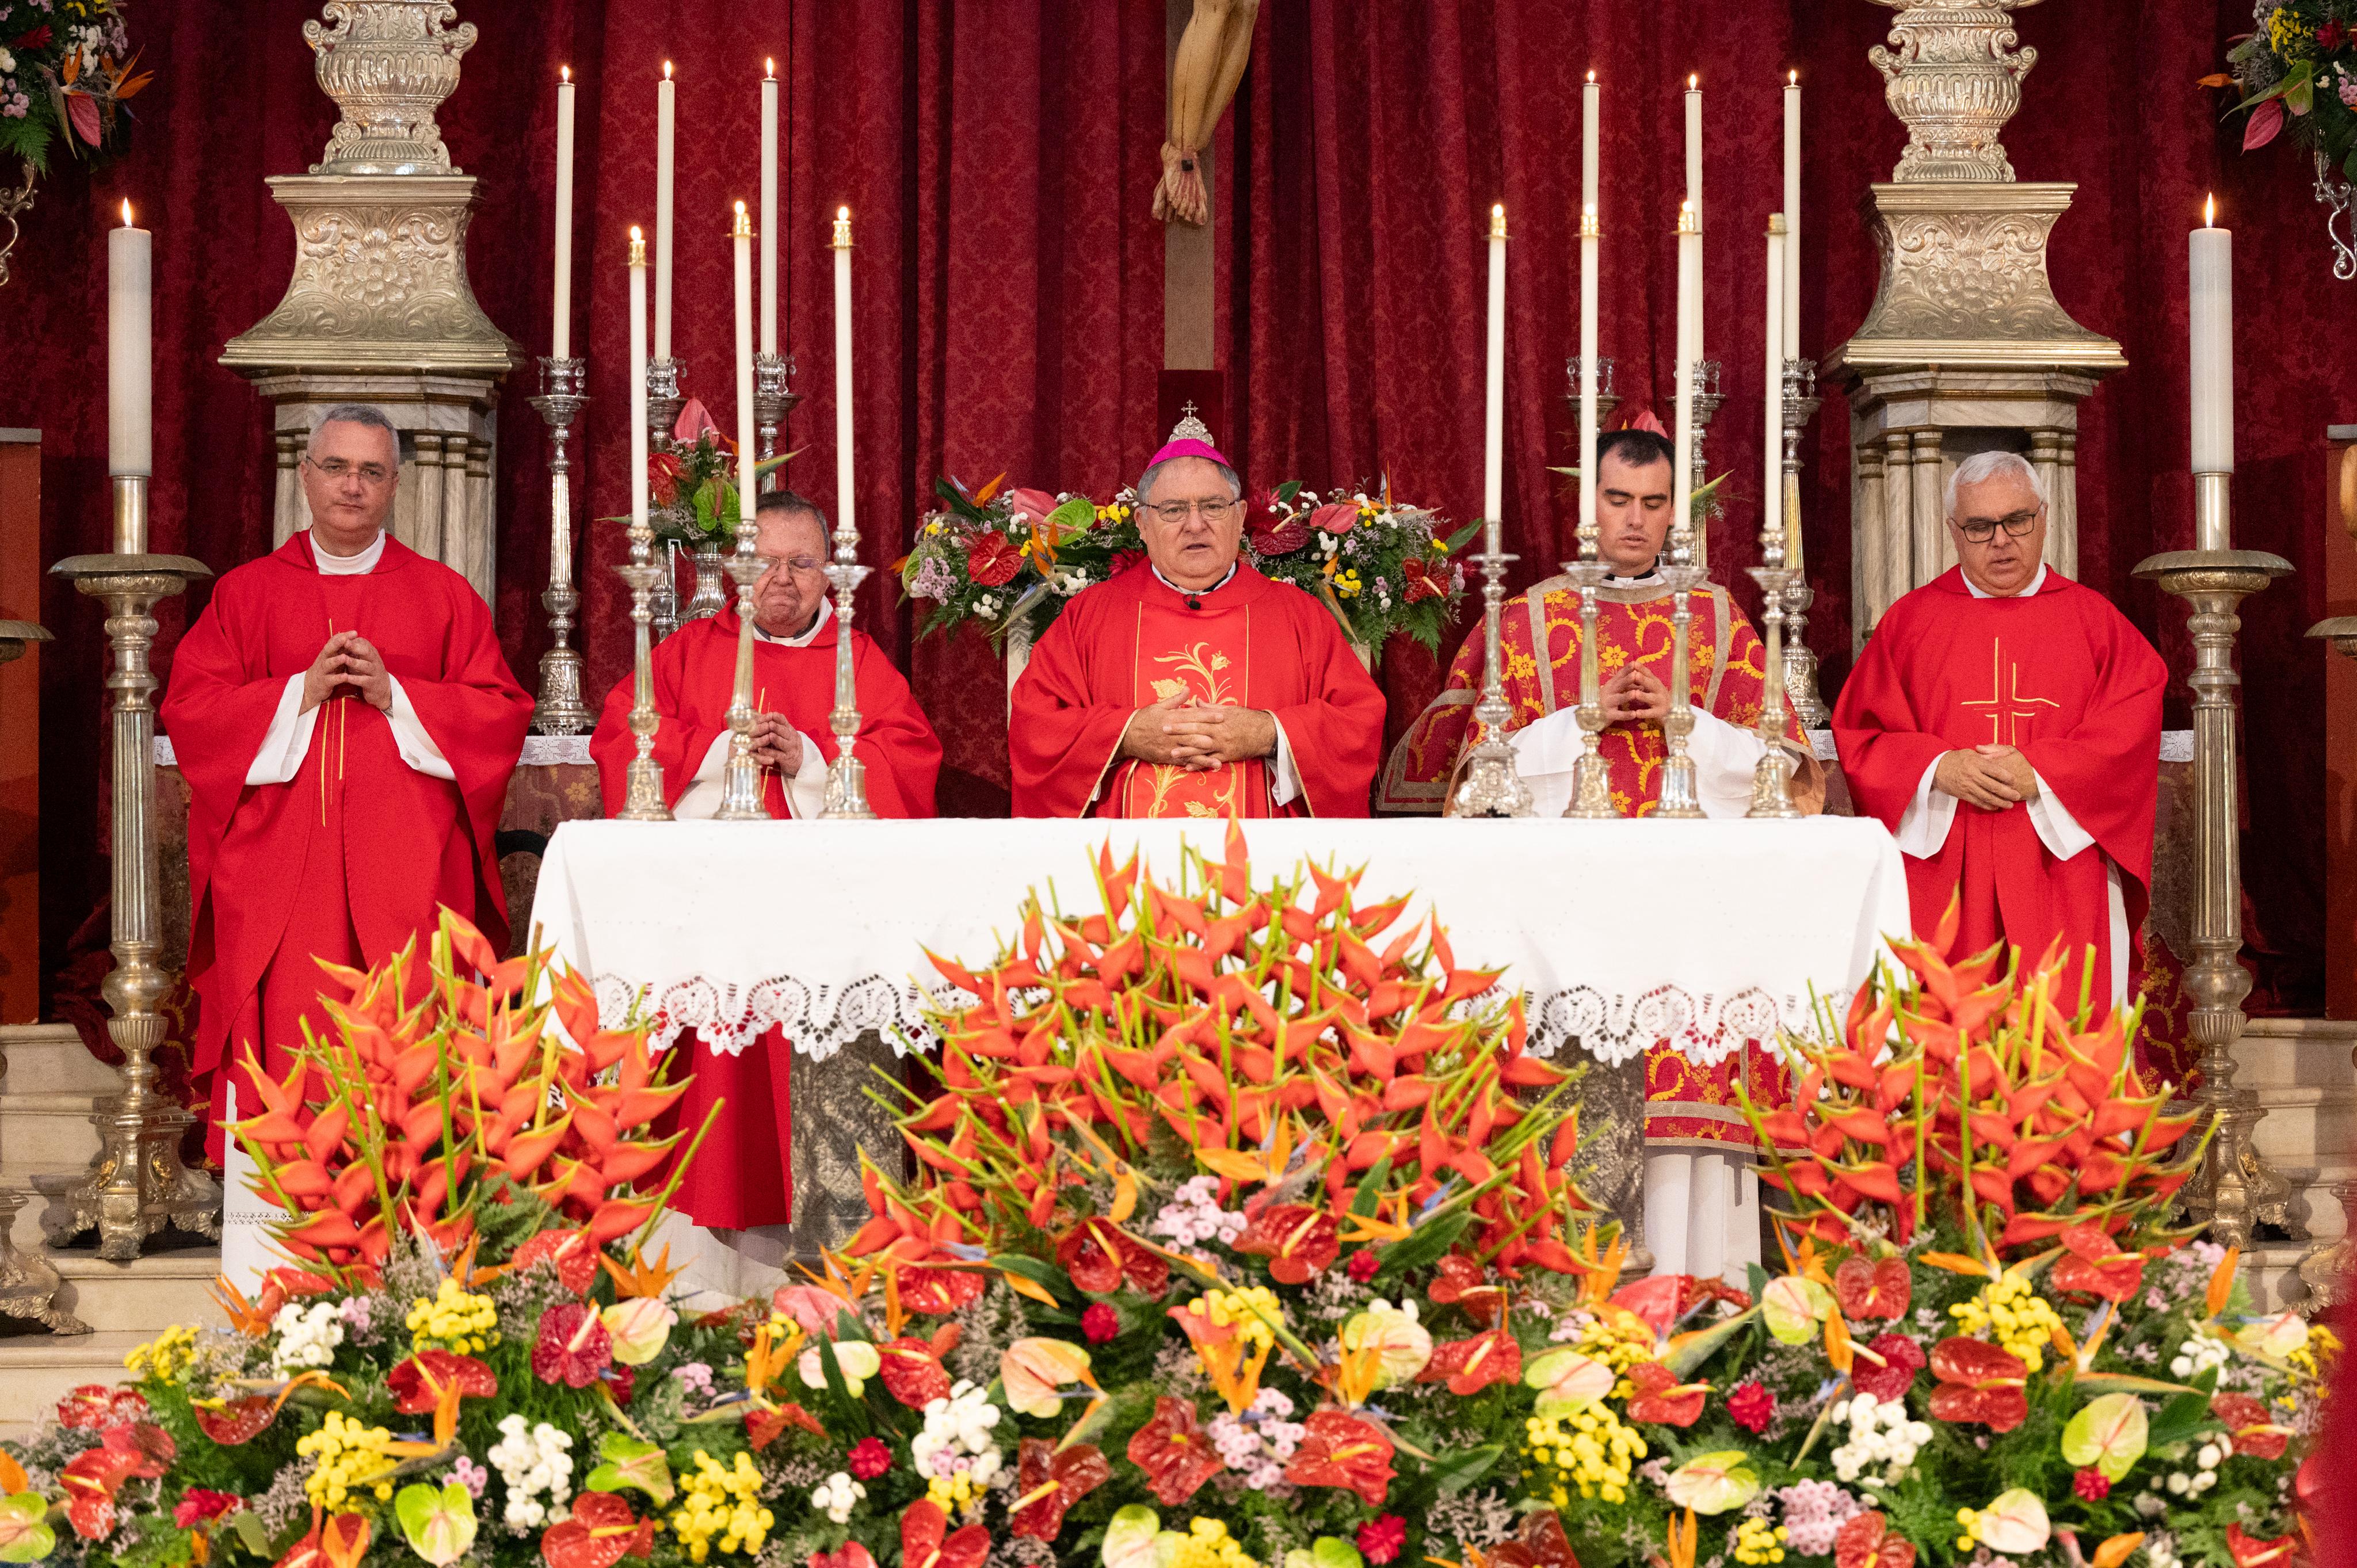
column 663, row 605
column 1488, row 784
column 1607, row 399
column 846, row 776
column 644, row 802
column 1800, row 404
column 1680, row 796
column 663, row 402
column 559, row 709
column 1771, row 780
column 771, row 403
column 740, row 780
column 1707, row 399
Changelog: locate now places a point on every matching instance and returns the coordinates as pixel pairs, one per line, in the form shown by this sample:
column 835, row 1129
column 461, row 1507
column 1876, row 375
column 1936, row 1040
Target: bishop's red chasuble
column 350, row 859
column 2064, row 677
column 1130, row 642
column 743, row 1176
column 1686, row 1103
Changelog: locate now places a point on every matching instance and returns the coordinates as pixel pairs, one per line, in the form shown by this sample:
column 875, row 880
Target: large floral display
column 1235, row 1226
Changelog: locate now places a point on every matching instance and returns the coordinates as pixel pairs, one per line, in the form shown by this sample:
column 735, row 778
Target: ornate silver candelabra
column 644, row 802
column 136, row 1185
column 771, row 402
column 1488, row 784
column 1800, row 404
column 1607, row 399
column 1680, row 797
column 663, row 402
column 1707, row 399
column 1771, row 780
column 846, row 776
column 559, row 709
column 740, row 779
column 2233, row 1191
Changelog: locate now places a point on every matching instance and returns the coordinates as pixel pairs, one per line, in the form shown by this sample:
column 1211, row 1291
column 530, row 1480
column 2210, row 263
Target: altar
column 1620, row 934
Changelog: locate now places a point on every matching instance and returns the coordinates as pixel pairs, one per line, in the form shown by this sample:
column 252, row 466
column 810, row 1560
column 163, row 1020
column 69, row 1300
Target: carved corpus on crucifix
column 1203, row 76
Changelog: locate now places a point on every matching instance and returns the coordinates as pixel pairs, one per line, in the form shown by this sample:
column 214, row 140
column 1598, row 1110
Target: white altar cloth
column 1623, row 933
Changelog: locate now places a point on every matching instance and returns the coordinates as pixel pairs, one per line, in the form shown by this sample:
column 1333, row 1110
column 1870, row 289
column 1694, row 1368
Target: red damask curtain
column 999, row 158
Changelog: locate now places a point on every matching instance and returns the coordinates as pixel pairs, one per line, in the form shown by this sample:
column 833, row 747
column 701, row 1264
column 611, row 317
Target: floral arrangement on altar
column 2299, row 70
column 66, row 69
column 693, row 485
column 1006, row 560
column 1238, row 1229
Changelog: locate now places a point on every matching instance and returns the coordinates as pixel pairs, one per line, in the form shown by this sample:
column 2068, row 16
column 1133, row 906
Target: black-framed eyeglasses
column 332, row 468
column 2017, row 524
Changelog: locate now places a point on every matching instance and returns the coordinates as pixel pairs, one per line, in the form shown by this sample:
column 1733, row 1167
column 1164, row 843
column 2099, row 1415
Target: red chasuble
column 1126, row 644
column 350, row 859
column 1686, row 1103
column 2062, row 675
column 743, row 1176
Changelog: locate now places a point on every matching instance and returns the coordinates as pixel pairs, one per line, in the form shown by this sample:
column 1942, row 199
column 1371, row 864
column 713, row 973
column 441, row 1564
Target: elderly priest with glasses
column 1190, row 685
column 347, row 729
column 2005, row 723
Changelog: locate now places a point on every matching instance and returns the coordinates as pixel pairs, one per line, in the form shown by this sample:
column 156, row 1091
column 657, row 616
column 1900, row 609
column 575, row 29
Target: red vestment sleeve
column 1337, row 734
column 477, row 717
column 216, row 710
column 2106, row 768
column 1884, row 747
column 896, row 740
column 1060, row 741
column 680, row 741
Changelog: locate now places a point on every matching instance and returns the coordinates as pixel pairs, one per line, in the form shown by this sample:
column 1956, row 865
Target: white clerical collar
column 359, row 565
column 1649, row 577
column 825, row 611
column 1980, row 593
column 1196, row 592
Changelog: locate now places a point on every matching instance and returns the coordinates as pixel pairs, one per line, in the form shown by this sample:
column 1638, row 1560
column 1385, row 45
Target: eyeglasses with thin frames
column 1173, row 513
column 333, row 469
column 2017, row 524
column 797, row 562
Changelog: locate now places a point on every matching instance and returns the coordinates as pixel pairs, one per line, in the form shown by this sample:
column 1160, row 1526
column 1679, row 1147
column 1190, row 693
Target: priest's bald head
column 789, row 536
column 1996, row 518
column 351, row 471
column 1190, row 514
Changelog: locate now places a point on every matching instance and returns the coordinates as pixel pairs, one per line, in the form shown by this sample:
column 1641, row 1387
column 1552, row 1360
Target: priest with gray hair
column 2003, row 722
column 1189, row 686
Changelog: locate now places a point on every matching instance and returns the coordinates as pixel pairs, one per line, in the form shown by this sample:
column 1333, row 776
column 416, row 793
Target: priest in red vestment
column 1190, row 685
column 743, row 1176
column 347, row 729
column 2004, row 723
column 1701, row 1192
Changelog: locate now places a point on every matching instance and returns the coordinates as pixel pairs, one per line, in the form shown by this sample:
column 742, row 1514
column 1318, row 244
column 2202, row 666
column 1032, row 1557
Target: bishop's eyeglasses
column 2017, row 524
column 1173, row 513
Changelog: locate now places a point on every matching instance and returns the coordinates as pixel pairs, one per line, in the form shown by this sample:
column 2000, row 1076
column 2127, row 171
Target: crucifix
column 1208, row 43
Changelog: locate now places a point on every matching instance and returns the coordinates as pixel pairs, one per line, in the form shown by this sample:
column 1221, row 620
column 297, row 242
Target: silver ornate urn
column 388, row 64
column 1951, row 82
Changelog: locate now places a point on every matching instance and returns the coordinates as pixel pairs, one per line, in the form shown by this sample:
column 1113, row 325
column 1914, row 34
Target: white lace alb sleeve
column 806, row 790
column 1544, row 752
column 2058, row 830
column 409, row 736
column 1923, row 825
column 1724, row 757
column 702, row 797
column 280, row 756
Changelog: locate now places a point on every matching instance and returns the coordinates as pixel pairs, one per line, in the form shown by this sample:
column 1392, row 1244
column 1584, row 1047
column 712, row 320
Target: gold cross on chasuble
column 1205, row 657
column 2009, row 712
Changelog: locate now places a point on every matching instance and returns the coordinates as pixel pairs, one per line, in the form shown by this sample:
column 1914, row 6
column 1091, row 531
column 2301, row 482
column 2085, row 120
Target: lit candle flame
column 666, row 70
column 2209, row 210
column 126, row 212
column 638, row 235
column 843, row 214
column 1693, row 82
column 565, row 73
column 1591, row 76
column 771, row 66
column 1792, row 79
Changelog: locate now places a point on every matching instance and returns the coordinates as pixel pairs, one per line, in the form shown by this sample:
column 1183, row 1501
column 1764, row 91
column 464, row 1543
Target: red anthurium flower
column 1865, row 1542
column 665, row 470
column 1343, row 1451
column 936, row 1292
column 851, row 1554
column 239, row 1421
column 1656, row 1299
column 95, row 1407
column 1869, row 1290
column 601, row 1532
column 574, row 1345
column 1472, row 1365
column 1175, row 1452
column 925, row 1540
column 912, row 1373
column 2093, row 1262
column 1298, row 1241
column 993, row 559
column 1048, row 1480
column 1542, row 1544
column 1660, row 1398
column 417, row 1384
column 1461, row 1282
column 2252, row 1552
column 198, row 1506
column 2253, row 1430
column 1900, row 1360
column 1978, row 1382
column 1099, row 1255
column 1423, row 581
column 763, row 1427
column 92, row 1477
column 571, row 1251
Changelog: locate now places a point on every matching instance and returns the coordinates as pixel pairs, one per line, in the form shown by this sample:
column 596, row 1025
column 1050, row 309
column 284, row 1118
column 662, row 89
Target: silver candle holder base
column 559, row 709
column 1591, row 780
column 1488, row 784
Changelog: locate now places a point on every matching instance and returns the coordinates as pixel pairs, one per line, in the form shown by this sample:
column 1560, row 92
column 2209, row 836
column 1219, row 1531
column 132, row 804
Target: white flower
column 836, row 1496
column 7, row 61
column 307, row 1337
column 956, row 1436
column 531, row 1462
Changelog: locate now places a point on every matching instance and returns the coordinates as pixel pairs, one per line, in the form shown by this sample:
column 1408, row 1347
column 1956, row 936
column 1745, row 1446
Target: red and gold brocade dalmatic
column 1686, row 1103
column 1206, row 656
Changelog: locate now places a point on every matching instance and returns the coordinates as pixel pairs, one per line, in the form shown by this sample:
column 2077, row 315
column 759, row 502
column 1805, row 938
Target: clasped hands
column 348, row 660
column 1992, row 778
column 777, row 744
column 1179, row 732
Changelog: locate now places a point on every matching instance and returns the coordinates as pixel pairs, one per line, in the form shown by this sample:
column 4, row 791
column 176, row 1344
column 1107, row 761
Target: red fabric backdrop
column 1008, row 309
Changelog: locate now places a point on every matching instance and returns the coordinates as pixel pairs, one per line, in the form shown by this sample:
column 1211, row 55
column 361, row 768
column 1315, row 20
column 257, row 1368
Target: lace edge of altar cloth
column 1611, row 1025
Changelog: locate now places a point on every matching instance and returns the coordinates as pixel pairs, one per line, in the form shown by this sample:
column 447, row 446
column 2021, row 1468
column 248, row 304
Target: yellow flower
column 1754, row 1542
column 1589, row 1448
column 2014, row 1315
column 454, row 1320
column 721, row 1503
column 166, row 1356
column 1208, row 1544
column 349, row 1459
column 2286, row 32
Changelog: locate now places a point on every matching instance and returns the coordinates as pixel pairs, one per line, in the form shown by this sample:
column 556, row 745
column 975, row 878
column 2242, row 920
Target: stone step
column 37, row 1370
column 2307, row 1126
column 146, row 1294
column 51, row 1058
column 2296, row 1053
column 2272, row 1270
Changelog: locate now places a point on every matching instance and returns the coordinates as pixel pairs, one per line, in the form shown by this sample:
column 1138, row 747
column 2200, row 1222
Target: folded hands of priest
column 348, row 658
column 1992, row 778
column 1635, row 695
column 1179, row 732
column 777, row 744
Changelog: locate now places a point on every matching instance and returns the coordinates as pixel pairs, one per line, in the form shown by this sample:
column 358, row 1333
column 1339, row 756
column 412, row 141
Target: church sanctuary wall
column 1010, row 304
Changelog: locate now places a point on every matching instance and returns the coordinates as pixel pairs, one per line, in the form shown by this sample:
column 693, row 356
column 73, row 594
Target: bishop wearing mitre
column 347, row 729
column 1701, row 1193
column 2003, row 722
column 1189, row 686
column 794, row 657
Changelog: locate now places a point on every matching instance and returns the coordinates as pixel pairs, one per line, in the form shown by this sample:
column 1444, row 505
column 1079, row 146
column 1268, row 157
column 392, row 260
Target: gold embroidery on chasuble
column 1204, row 655
column 2010, row 712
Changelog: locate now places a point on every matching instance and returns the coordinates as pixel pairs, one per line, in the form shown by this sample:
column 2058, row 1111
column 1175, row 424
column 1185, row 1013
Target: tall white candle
column 130, row 350
column 843, row 493
column 1590, row 113
column 748, row 455
column 2210, row 263
column 1590, row 238
column 1694, row 193
column 560, row 336
column 639, row 500
column 1771, row 478
column 1493, row 423
column 770, row 209
column 1689, row 309
column 1791, row 297
column 666, row 135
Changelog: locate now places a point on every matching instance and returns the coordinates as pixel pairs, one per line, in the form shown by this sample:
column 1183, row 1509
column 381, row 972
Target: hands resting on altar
column 1179, row 732
column 1992, row 778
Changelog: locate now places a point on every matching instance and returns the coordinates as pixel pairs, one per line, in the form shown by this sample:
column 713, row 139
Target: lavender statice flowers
column 1815, row 1512
column 1261, row 1440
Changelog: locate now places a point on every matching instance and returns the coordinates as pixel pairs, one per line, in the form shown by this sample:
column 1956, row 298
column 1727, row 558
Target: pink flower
column 197, row 1506
column 1335, row 516
column 1364, row 1265
column 1380, row 1540
column 1644, row 419
column 1752, row 1406
column 814, row 1309
column 694, row 421
column 869, row 1457
column 1099, row 1322
column 2349, row 90
column 1033, row 504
